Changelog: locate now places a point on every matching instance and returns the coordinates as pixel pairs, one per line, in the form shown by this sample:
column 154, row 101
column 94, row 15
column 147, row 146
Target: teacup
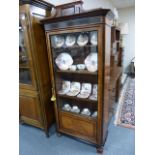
column 86, row 111
column 81, row 66
column 72, row 67
column 75, row 108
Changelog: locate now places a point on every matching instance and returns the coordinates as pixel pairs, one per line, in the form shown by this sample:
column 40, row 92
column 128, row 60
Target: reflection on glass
column 75, row 57
column 24, row 76
column 22, row 48
column 24, row 72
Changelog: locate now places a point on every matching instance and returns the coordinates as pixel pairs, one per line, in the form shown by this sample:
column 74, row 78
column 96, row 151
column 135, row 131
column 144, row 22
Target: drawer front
column 78, row 126
column 30, row 107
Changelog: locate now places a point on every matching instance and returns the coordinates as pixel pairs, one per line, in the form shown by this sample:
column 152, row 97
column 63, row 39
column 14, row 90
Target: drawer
column 78, row 126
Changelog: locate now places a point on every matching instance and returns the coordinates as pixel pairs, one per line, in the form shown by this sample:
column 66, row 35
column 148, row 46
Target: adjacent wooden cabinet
column 35, row 107
column 115, row 67
column 86, row 127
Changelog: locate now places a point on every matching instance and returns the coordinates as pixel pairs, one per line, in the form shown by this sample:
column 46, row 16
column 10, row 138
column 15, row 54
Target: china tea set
column 64, row 61
column 76, row 109
column 84, row 90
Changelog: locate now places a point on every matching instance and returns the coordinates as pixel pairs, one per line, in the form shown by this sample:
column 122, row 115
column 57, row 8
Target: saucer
column 70, row 40
column 58, row 41
column 82, row 39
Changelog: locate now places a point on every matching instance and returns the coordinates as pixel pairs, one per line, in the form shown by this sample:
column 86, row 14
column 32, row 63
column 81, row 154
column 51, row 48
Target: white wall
column 88, row 4
column 127, row 15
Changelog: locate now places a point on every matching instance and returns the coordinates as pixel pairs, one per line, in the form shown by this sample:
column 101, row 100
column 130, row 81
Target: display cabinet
column 35, row 107
column 79, row 48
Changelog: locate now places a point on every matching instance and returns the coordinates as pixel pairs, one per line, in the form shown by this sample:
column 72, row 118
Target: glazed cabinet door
column 26, row 72
column 74, row 64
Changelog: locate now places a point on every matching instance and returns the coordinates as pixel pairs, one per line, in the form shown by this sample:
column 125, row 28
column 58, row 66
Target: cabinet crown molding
column 39, row 3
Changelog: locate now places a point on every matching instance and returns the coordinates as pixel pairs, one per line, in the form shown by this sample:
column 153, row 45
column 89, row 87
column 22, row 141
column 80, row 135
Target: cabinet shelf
column 76, row 98
column 74, row 47
column 80, row 116
column 84, row 72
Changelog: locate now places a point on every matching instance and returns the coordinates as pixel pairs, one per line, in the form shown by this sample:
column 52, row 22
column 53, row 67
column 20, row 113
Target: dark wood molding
column 96, row 12
column 39, row 3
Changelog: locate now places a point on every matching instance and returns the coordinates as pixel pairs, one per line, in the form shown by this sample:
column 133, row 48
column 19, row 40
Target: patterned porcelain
column 64, row 61
column 82, row 39
column 85, row 90
column 66, row 107
column 81, row 66
column 65, row 87
column 94, row 93
column 86, row 111
column 70, row 40
column 75, row 109
column 75, row 89
column 93, row 38
column 58, row 41
column 91, row 62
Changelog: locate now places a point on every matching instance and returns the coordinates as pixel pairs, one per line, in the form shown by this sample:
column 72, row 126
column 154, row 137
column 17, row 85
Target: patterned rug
column 125, row 114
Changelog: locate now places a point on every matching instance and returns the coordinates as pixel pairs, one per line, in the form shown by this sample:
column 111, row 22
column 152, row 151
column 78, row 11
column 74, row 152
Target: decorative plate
column 93, row 38
column 58, row 41
column 82, row 39
column 65, row 87
column 91, row 62
column 64, row 61
column 70, row 40
column 85, row 91
column 75, row 89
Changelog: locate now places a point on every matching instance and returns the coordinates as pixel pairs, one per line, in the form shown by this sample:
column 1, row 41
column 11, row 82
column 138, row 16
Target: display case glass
column 24, row 69
column 75, row 66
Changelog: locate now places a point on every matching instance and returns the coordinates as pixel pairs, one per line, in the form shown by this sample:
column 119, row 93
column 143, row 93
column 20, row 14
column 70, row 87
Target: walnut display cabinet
column 35, row 106
column 83, row 126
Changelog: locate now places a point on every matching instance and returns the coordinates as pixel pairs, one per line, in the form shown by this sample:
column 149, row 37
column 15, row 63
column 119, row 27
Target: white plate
column 64, row 61
column 91, row 62
column 65, row 87
column 75, row 89
column 93, row 97
column 93, row 38
column 58, row 41
column 70, row 40
column 82, row 39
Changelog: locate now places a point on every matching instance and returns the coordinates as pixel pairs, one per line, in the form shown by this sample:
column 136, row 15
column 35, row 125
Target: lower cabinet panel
column 29, row 107
column 78, row 126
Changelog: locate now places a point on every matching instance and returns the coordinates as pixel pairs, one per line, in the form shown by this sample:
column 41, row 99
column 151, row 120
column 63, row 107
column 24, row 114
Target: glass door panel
column 75, row 60
column 25, row 77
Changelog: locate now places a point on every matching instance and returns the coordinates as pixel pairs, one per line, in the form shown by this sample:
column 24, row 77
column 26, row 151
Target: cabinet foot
column 99, row 149
column 47, row 133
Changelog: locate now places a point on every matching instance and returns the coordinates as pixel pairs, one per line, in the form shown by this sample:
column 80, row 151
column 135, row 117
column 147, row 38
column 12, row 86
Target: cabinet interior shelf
column 73, row 47
column 76, row 98
column 77, row 72
column 24, row 66
column 79, row 115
